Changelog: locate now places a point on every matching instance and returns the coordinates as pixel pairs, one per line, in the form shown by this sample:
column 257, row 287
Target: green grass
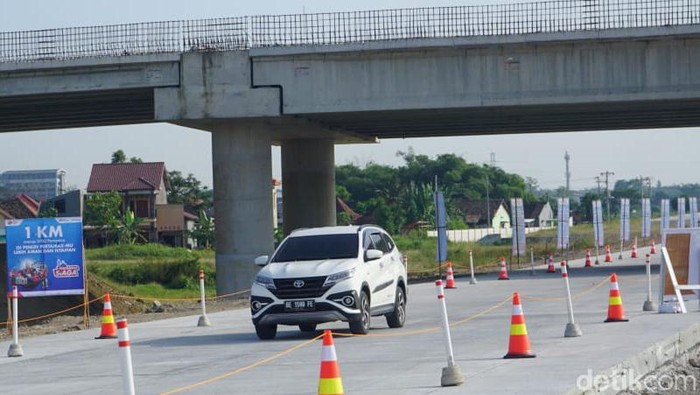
column 162, row 293
column 153, row 270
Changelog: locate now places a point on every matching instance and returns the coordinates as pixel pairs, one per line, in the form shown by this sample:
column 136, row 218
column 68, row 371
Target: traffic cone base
column 109, row 328
column 519, row 342
column 450, row 283
column 330, row 382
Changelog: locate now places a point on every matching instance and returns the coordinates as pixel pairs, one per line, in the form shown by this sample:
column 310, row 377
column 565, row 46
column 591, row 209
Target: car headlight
column 265, row 281
column 338, row 277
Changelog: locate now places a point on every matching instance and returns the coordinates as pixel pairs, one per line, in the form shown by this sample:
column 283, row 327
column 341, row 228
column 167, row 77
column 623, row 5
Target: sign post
column 45, row 256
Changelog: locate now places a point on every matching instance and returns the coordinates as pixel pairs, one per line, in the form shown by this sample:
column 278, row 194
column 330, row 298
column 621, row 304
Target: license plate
column 299, row 305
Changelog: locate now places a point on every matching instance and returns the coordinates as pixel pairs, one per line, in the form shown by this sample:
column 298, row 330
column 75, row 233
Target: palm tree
column 128, row 228
column 204, row 230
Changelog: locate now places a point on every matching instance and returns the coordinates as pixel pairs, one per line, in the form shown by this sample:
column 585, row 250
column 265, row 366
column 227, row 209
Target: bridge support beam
column 308, row 177
column 242, row 167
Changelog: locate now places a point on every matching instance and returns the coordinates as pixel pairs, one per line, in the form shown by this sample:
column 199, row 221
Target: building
column 142, row 187
column 18, row 207
column 39, row 184
column 69, row 204
column 538, row 214
column 484, row 214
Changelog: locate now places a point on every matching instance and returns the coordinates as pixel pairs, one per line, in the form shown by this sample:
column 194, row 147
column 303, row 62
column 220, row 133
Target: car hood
column 317, row 268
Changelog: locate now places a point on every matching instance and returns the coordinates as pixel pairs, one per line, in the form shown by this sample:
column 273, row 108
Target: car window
column 367, row 243
column 388, row 241
column 379, row 242
column 310, row 248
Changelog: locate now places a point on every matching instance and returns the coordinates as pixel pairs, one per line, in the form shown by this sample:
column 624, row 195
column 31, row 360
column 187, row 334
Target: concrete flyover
column 309, row 82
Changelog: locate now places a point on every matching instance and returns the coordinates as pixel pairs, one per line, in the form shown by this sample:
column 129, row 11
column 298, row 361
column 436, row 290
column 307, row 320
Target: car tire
column 307, row 327
column 361, row 326
column 266, row 332
column 396, row 318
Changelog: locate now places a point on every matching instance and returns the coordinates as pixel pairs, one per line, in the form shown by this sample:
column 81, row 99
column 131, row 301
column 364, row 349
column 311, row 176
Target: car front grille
column 312, row 288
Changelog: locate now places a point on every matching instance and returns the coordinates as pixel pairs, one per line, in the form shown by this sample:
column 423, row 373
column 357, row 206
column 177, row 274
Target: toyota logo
column 299, row 284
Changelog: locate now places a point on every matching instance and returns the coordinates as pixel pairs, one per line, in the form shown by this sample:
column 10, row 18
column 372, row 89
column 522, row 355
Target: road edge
column 641, row 364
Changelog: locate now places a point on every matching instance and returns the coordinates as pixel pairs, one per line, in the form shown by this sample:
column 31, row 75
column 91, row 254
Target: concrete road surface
column 176, row 356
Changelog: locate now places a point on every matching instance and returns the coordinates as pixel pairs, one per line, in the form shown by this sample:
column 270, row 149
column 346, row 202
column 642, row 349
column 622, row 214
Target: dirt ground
column 134, row 311
column 678, row 377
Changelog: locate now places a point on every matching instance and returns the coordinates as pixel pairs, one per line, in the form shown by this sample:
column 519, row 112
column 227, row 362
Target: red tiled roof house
column 141, row 185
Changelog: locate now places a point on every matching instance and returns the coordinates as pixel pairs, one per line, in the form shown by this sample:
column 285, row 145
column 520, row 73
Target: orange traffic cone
column 519, row 343
column 109, row 328
column 503, row 274
column 450, row 283
column 330, row 382
column 634, row 250
column 550, row 265
column 588, row 259
column 608, row 254
column 616, row 313
column 653, row 247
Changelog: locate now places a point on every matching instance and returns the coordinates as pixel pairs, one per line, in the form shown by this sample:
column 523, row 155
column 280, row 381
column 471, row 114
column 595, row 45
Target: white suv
column 318, row 275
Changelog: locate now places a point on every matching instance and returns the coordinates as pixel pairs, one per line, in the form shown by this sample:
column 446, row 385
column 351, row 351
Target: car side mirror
column 262, row 260
column 371, row 255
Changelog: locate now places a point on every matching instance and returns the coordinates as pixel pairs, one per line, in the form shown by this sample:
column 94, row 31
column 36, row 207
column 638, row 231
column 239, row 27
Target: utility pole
column 567, row 174
column 607, row 175
column 488, row 204
column 598, row 180
column 643, row 180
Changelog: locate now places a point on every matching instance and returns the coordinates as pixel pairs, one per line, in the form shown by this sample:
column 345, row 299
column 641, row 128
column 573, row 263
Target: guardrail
column 240, row 33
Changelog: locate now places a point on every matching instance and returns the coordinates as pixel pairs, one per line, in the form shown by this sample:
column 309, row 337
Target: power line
column 607, row 174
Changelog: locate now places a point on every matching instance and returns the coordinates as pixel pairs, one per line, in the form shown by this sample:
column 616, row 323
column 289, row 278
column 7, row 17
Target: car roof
column 327, row 230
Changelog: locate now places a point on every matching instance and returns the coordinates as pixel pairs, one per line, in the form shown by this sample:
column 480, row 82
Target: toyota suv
column 317, row 275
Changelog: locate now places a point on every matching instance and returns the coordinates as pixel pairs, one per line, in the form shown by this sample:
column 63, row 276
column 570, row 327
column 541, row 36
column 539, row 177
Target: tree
column 47, row 210
column 396, row 197
column 102, row 209
column 189, row 192
column 203, row 232
column 119, row 156
column 127, row 228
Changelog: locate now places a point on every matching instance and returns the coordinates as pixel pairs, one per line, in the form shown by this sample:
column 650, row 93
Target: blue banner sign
column 45, row 256
column 441, row 222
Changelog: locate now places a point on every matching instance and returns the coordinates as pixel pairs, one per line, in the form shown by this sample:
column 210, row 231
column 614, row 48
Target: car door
column 383, row 291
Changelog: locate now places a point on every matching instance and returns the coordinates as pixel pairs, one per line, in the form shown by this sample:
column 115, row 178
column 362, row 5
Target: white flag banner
column 598, row 223
column 517, row 214
column 665, row 214
column 693, row 207
column 624, row 219
column 681, row 213
column 646, row 218
column 563, row 223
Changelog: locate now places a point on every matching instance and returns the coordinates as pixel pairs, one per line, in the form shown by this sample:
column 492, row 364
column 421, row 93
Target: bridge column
column 308, row 182
column 242, row 167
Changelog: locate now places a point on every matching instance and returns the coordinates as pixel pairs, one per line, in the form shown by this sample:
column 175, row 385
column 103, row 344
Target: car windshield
column 311, row 248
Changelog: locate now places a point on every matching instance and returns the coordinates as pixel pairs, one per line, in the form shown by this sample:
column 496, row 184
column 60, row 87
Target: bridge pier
column 308, row 177
column 242, row 167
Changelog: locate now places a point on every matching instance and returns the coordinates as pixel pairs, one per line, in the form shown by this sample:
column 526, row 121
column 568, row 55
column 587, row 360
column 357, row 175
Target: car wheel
column 396, row 318
column 266, row 332
column 361, row 326
column 307, row 327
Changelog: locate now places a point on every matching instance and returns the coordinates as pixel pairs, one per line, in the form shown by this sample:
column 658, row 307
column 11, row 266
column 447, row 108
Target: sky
column 666, row 155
